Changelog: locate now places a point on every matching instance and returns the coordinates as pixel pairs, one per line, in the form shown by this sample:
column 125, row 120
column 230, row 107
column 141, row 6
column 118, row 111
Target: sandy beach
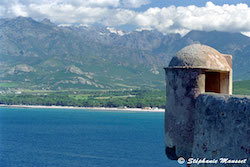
column 89, row 108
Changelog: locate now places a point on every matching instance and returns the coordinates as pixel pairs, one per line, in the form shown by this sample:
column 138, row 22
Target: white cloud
column 2, row 11
column 65, row 25
column 230, row 18
column 119, row 17
column 18, row 10
column 113, row 30
column 134, row 3
column 246, row 33
column 94, row 3
column 172, row 19
column 69, row 14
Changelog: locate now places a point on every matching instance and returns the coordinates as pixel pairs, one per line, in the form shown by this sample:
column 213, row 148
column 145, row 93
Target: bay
column 87, row 138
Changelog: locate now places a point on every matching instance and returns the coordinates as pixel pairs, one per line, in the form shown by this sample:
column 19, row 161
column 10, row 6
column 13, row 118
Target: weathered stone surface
column 183, row 86
column 222, row 128
column 201, row 56
column 202, row 125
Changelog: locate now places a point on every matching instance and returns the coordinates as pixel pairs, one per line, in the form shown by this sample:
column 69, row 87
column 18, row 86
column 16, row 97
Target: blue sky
column 165, row 3
column 166, row 16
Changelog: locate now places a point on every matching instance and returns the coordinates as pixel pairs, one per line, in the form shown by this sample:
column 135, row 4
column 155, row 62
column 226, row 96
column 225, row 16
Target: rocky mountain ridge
column 44, row 55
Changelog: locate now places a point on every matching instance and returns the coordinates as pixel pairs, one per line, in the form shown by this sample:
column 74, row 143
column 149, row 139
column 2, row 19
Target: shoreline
column 82, row 108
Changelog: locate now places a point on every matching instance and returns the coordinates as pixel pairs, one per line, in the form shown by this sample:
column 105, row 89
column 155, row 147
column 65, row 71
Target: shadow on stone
column 170, row 152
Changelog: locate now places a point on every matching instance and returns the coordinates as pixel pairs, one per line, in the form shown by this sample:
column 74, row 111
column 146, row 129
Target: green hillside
column 241, row 87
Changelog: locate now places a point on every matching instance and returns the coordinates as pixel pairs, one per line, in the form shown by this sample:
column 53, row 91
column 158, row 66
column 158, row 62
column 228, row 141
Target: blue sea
column 81, row 138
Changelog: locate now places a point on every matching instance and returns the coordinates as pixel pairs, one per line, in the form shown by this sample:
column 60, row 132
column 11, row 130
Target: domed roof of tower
column 201, row 56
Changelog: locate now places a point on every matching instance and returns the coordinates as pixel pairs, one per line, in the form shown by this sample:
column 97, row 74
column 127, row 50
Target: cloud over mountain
column 230, row 18
column 172, row 19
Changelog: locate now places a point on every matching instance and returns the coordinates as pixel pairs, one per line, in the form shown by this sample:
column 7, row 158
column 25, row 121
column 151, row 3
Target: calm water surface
column 81, row 138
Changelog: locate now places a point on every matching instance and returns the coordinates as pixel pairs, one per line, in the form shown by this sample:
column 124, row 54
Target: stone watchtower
column 194, row 70
column 200, row 110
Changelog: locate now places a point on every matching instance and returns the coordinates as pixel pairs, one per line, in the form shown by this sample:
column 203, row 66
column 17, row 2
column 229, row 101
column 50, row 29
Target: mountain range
column 43, row 55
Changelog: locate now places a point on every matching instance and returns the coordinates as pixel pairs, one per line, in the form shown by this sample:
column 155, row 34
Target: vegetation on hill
column 91, row 98
column 99, row 98
column 241, row 87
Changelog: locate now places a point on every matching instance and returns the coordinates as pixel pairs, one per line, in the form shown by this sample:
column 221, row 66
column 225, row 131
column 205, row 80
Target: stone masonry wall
column 222, row 128
column 183, row 87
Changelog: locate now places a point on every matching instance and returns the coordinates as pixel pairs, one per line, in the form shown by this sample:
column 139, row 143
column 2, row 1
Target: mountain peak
column 21, row 18
column 47, row 21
